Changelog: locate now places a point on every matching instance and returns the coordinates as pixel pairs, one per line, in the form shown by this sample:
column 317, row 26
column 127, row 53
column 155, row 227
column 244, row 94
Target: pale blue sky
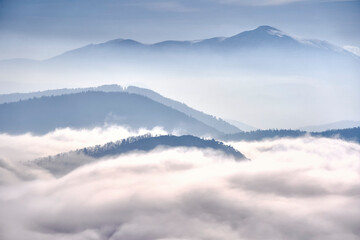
column 41, row 28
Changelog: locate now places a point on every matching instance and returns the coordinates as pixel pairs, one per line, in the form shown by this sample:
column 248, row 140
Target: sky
column 39, row 29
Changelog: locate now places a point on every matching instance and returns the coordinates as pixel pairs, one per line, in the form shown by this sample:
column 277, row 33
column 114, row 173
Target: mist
column 291, row 93
column 26, row 147
column 290, row 189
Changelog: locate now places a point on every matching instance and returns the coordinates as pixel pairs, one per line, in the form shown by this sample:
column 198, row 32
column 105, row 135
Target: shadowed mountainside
column 209, row 120
column 90, row 109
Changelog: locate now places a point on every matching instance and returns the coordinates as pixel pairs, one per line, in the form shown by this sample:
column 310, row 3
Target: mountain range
column 268, row 42
column 265, row 50
column 218, row 125
column 263, row 37
column 214, row 122
column 348, row 134
column 91, row 109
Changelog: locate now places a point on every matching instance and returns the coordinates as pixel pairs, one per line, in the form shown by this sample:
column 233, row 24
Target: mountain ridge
column 348, row 134
column 210, row 120
column 90, row 109
column 263, row 36
column 64, row 163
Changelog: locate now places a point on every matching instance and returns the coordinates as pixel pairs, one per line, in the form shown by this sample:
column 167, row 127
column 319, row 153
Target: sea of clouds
column 305, row 188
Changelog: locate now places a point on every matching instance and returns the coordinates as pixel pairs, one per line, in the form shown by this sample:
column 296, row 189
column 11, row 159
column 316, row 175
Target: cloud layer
column 304, row 188
column 28, row 147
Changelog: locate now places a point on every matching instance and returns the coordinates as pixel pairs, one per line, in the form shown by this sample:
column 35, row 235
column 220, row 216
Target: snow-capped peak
column 276, row 33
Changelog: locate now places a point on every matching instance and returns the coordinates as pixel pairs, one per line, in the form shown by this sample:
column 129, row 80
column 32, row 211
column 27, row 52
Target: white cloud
column 292, row 189
column 353, row 49
column 27, row 146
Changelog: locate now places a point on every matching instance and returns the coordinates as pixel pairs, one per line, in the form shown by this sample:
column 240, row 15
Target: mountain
column 335, row 125
column 270, row 37
column 273, row 71
column 90, row 109
column 264, row 49
column 14, row 97
column 259, row 135
column 350, row 134
column 63, row 163
column 209, row 120
column 263, row 37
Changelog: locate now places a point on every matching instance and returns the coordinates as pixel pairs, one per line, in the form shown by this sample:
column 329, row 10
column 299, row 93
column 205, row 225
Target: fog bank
column 305, row 188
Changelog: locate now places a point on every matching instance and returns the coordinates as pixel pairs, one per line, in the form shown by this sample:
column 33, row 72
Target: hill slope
column 209, row 120
column 90, row 109
column 65, row 162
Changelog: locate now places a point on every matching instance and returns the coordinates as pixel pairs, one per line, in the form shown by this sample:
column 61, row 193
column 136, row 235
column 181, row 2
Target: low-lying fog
column 305, row 188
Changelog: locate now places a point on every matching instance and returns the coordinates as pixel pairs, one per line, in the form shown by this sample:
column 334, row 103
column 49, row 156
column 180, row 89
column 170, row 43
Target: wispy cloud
column 270, row 2
column 353, row 49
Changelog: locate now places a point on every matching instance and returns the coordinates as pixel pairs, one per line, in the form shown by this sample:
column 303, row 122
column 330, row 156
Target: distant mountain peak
column 123, row 41
column 266, row 28
column 270, row 30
